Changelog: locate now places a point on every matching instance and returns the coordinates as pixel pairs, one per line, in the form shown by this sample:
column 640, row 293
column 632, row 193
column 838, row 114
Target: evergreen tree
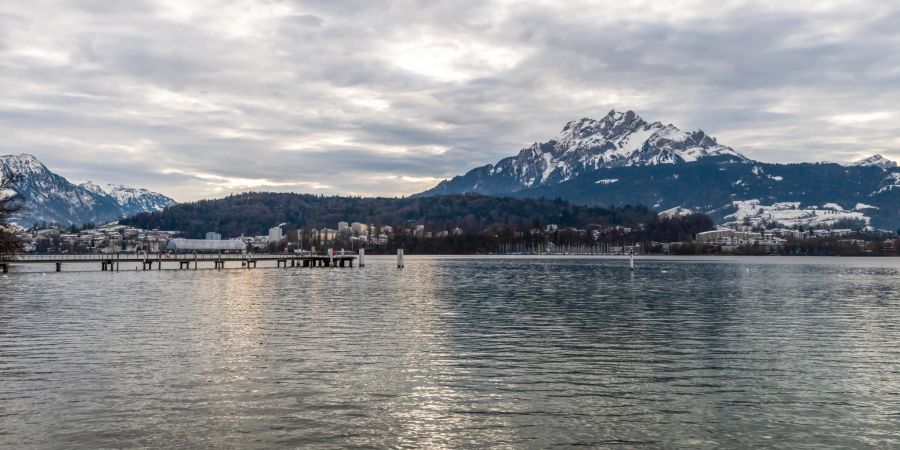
column 9, row 205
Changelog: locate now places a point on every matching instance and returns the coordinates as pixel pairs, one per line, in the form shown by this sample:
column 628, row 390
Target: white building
column 213, row 236
column 203, row 245
column 343, row 227
column 358, row 229
column 275, row 234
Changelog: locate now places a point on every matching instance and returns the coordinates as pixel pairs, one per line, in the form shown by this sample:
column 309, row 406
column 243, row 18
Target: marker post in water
column 631, row 263
column 362, row 257
column 399, row 258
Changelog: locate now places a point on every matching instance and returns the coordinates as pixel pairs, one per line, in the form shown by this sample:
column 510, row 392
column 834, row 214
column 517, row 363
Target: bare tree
column 9, row 205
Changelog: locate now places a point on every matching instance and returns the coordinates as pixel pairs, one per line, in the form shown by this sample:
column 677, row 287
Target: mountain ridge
column 623, row 159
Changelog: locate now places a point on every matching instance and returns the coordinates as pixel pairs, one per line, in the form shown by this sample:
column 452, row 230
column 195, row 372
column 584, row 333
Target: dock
column 113, row 262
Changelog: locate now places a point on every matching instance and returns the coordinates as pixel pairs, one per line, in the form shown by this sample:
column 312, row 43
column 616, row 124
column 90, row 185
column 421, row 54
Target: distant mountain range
column 623, row 159
column 51, row 198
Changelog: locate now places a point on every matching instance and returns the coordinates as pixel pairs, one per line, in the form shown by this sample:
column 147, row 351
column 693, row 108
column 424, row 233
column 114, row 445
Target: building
column 213, row 236
column 205, row 245
column 343, row 227
column 275, row 234
column 728, row 237
column 359, row 229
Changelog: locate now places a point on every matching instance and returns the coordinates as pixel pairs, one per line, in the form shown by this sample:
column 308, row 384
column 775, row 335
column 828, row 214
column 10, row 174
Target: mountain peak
column 93, row 187
column 877, row 161
column 22, row 164
column 586, row 145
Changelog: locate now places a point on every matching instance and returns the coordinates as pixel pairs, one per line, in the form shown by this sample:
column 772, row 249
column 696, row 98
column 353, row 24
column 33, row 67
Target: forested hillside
column 255, row 213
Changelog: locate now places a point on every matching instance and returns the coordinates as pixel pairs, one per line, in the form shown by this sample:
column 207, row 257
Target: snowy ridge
column 876, row 161
column 618, row 139
column 48, row 197
column 131, row 199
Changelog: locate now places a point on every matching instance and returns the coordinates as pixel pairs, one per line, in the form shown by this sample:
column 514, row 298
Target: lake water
column 457, row 352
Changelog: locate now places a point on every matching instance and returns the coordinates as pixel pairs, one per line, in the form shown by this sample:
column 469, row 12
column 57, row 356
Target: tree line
column 485, row 223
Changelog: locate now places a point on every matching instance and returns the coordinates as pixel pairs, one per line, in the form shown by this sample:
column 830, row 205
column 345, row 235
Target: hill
column 255, row 213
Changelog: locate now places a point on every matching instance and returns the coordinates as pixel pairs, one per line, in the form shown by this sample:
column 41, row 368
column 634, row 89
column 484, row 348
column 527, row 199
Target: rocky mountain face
column 51, row 198
column 586, row 146
column 622, row 159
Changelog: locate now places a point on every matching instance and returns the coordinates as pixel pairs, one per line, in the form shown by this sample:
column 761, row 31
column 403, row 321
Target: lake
column 516, row 352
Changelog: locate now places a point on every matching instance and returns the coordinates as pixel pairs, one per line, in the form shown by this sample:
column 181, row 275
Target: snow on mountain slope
column 877, row 161
column 48, row 197
column 792, row 214
column 586, row 145
column 132, row 200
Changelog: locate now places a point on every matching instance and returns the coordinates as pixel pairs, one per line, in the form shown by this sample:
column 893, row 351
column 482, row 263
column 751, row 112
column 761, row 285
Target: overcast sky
column 200, row 98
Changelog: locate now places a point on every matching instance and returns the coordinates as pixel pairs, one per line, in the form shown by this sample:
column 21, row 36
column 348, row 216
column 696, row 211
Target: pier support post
column 59, row 267
column 330, row 258
column 362, row 258
column 4, row 267
column 399, row 258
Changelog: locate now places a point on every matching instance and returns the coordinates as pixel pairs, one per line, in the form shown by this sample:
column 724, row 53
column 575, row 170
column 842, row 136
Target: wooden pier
column 113, row 262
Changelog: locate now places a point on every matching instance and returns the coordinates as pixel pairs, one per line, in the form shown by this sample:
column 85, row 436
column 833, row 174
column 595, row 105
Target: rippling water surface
column 457, row 352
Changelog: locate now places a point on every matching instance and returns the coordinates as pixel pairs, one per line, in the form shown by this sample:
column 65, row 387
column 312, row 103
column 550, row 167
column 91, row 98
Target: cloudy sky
column 201, row 98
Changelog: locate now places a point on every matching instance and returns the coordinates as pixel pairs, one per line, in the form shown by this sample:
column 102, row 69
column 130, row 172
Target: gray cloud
column 200, row 99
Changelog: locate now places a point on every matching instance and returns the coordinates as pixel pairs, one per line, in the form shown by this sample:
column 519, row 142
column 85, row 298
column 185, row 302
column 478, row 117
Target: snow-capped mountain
column 132, row 200
column 876, row 161
column 622, row 159
column 587, row 145
column 51, row 198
